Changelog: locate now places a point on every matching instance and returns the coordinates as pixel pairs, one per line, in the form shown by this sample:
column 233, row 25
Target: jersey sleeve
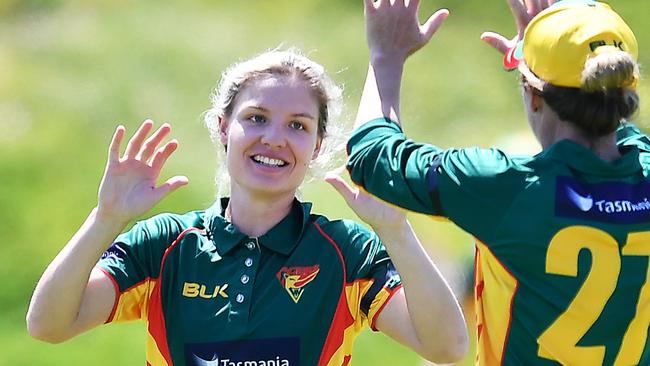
column 133, row 261
column 469, row 186
column 476, row 187
column 370, row 274
column 387, row 164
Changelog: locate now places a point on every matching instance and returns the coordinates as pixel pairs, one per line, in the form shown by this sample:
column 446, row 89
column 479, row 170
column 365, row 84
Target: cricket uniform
column 210, row 295
column 562, row 239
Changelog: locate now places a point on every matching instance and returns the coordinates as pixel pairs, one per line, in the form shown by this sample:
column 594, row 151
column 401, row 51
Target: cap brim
column 531, row 78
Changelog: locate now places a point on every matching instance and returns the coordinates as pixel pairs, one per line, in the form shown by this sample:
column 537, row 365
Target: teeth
column 268, row 161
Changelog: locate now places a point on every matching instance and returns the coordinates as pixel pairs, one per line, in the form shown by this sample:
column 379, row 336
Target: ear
column 223, row 131
column 532, row 98
column 319, row 140
column 536, row 102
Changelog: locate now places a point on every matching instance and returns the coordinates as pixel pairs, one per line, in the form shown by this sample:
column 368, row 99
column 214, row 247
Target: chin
column 264, row 187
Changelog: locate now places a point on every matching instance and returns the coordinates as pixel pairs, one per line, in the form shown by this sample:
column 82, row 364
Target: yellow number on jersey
column 559, row 341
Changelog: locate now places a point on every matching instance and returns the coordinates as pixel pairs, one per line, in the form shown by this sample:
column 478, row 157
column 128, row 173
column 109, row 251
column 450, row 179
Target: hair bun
column 609, row 68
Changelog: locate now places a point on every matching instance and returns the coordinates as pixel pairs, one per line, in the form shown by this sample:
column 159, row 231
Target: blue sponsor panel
column 256, row 352
column 609, row 202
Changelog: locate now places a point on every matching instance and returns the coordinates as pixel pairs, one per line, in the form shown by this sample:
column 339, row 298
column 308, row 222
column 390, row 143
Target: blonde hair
column 606, row 97
column 272, row 63
column 608, row 70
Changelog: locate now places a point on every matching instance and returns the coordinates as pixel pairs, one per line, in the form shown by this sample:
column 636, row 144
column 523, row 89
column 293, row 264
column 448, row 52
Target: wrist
column 108, row 220
column 379, row 59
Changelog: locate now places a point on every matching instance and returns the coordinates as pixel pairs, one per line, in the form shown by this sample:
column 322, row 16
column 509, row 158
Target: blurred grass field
column 71, row 70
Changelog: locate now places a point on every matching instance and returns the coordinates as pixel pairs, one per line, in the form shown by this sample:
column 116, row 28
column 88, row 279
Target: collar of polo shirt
column 282, row 238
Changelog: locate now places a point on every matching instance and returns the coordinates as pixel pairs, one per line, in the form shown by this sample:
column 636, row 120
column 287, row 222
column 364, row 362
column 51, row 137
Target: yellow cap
column 559, row 40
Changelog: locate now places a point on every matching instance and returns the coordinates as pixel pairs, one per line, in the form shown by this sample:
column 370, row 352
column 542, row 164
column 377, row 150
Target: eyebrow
column 300, row 115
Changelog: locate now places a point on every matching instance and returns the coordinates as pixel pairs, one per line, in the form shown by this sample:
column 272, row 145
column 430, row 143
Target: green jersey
column 210, row 295
column 563, row 239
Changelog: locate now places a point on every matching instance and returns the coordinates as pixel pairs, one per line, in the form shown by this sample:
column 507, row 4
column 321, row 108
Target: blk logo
column 191, row 289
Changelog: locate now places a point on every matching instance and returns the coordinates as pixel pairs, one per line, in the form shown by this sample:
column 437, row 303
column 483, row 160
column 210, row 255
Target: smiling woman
column 257, row 278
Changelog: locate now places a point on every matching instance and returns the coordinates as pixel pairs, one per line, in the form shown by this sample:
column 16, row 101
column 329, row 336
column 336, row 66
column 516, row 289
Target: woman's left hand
column 374, row 212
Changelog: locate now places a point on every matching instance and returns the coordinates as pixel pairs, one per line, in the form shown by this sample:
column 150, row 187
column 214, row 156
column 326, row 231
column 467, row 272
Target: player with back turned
column 563, row 237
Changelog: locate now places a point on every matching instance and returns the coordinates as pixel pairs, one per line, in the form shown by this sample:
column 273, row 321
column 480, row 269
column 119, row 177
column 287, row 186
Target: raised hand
column 129, row 186
column 374, row 212
column 393, row 28
column 523, row 11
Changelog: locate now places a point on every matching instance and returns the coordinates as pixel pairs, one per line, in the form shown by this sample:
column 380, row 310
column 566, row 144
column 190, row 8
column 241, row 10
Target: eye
column 257, row 119
column 296, row 125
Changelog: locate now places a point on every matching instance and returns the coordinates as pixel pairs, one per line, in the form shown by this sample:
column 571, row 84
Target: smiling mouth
column 265, row 160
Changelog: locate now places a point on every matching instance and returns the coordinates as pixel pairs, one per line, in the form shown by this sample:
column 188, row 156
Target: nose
column 274, row 135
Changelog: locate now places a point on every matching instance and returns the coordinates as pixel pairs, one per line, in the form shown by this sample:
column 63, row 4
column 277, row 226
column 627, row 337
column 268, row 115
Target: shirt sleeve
column 387, row 164
column 371, row 276
column 469, row 186
column 132, row 262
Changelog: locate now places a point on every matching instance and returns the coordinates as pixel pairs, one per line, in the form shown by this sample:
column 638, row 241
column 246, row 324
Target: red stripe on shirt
column 342, row 318
column 156, row 319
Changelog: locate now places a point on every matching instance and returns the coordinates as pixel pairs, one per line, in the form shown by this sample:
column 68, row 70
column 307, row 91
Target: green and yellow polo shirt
column 210, row 295
column 562, row 273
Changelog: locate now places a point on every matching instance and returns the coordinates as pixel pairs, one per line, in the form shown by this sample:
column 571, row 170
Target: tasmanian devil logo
column 294, row 279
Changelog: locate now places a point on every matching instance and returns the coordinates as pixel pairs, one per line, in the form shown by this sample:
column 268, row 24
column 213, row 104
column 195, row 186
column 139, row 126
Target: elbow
column 38, row 330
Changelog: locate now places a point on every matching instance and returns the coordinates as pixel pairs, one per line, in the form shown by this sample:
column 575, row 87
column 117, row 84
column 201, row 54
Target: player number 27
column 562, row 259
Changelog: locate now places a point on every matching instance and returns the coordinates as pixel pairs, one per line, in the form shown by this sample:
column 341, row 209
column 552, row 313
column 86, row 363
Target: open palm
column 129, row 185
column 393, row 28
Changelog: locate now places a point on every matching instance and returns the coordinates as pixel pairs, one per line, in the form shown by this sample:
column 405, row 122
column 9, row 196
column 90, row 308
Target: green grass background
column 70, row 70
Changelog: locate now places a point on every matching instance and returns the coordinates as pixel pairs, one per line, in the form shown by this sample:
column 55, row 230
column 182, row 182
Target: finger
column 413, row 4
column 170, row 186
column 135, row 143
column 496, row 40
column 544, row 4
column 344, row 189
column 114, row 147
column 152, row 143
column 520, row 12
column 162, row 154
column 433, row 23
column 534, row 7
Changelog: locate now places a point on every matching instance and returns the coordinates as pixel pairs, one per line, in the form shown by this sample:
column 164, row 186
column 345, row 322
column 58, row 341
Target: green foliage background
column 70, row 70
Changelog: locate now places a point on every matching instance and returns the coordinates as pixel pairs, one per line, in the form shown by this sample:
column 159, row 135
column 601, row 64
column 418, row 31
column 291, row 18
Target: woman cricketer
column 257, row 279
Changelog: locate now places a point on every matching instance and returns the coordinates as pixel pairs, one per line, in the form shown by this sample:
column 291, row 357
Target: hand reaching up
column 393, row 28
column 523, row 11
column 129, row 185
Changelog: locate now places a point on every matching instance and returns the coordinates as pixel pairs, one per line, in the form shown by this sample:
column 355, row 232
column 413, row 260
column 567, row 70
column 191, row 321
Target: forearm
column 57, row 299
column 381, row 91
column 433, row 309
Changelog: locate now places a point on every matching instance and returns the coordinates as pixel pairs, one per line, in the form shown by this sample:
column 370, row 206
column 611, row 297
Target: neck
column 556, row 129
column 605, row 146
column 256, row 215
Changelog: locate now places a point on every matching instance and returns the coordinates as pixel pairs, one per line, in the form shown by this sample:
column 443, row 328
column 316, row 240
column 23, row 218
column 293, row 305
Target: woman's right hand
column 523, row 11
column 128, row 188
column 393, row 28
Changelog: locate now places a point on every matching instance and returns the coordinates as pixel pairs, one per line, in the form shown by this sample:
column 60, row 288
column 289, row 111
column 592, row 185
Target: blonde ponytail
column 611, row 69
